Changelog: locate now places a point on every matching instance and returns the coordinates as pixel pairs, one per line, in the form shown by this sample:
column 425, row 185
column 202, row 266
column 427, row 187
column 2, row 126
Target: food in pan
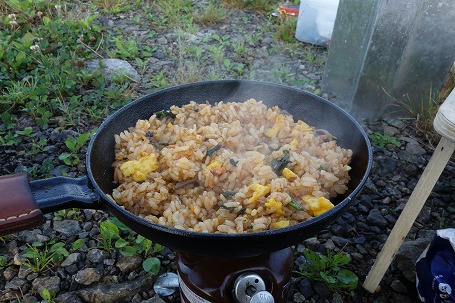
column 230, row 167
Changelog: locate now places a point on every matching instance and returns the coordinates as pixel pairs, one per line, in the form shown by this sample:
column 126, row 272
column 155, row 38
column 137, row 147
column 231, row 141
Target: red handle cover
column 18, row 209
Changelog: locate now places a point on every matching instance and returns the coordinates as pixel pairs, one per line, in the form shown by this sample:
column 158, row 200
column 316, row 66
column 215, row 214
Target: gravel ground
column 90, row 274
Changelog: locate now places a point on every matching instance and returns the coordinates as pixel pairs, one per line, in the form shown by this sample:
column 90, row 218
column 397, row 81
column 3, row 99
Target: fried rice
column 230, row 167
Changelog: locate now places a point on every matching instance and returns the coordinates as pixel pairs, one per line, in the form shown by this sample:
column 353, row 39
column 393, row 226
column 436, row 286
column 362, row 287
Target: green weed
column 129, row 244
column 39, row 255
column 382, row 140
column 48, row 296
column 286, row 28
column 75, row 144
column 328, row 269
column 4, row 262
column 211, row 14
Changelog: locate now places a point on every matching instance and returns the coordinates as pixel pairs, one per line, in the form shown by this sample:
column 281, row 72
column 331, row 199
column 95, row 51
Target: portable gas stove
column 263, row 278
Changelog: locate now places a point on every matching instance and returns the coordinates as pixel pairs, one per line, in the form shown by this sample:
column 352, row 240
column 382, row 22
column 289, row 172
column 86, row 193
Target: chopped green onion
column 165, row 114
column 212, row 150
column 295, row 205
column 229, row 193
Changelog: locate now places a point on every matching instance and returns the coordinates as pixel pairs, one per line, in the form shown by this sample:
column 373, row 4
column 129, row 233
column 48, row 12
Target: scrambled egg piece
column 259, row 191
column 289, row 174
column 276, row 128
column 303, row 127
column 139, row 169
column 318, row 206
column 276, row 204
column 280, row 224
column 214, row 164
column 293, row 144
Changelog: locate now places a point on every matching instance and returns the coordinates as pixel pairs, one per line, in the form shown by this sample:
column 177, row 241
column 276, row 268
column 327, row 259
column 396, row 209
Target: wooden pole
column 420, row 194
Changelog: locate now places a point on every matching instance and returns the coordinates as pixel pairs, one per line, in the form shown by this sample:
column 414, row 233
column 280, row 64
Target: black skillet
column 22, row 208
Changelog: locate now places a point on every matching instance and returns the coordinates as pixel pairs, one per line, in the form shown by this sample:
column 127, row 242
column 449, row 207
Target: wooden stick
column 424, row 186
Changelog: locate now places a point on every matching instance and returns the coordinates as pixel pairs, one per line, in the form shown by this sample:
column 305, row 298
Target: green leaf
column 312, row 257
column 128, row 251
column 45, row 294
column 20, row 57
column 27, row 40
column 71, row 143
column 119, row 224
column 348, row 278
column 77, row 244
column 227, row 63
column 329, row 279
column 152, row 265
column 109, row 230
column 340, row 260
column 121, row 243
column 157, row 248
column 30, row 254
column 46, row 20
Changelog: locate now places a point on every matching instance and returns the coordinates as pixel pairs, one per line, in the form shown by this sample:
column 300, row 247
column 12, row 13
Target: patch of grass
column 312, row 56
column 286, row 28
column 41, row 255
column 130, row 244
column 257, row 5
column 174, row 13
column 211, row 14
column 423, row 112
column 382, row 140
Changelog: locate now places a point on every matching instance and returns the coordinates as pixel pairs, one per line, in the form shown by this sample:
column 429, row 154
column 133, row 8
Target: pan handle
column 23, row 203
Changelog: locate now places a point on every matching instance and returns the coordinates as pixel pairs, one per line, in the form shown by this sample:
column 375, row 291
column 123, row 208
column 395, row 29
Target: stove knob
column 262, row 297
column 250, row 285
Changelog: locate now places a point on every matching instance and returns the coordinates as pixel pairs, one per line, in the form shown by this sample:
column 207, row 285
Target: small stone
column 359, row 239
column 32, row 276
column 305, row 288
column 129, row 263
column 376, row 218
column 154, row 299
column 340, row 241
column 71, row 259
column 88, row 213
column 117, row 292
column 24, row 271
column 161, row 41
column 87, row 276
column 9, row 273
column 322, row 290
column 298, row 298
column 112, row 68
column 399, row 287
column 52, row 284
column 312, row 243
column 407, row 256
column 96, row 255
column 68, row 297
column 329, row 244
column 15, row 284
column 414, row 148
column 337, row 298
column 109, row 262
column 72, row 269
column 67, row 227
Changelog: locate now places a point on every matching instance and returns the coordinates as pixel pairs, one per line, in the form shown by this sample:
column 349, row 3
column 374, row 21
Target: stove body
column 210, row 279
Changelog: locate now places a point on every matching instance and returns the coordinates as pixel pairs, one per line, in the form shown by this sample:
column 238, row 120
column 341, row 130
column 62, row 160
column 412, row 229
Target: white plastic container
column 316, row 20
